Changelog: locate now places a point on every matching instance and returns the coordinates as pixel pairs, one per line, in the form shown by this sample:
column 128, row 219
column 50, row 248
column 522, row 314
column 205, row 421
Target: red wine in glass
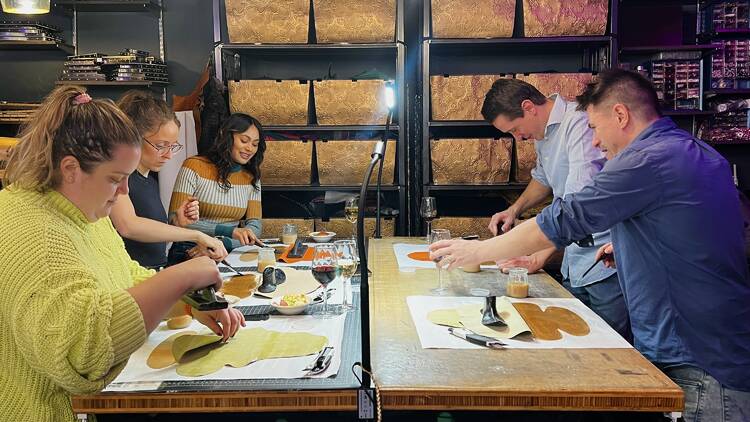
column 324, row 274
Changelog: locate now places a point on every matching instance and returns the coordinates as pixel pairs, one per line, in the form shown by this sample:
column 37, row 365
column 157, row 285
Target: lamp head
column 25, row 7
column 390, row 96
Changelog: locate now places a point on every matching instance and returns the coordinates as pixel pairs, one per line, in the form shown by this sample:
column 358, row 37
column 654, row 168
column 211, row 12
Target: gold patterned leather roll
column 345, row 102
column 272, row 227
column 355, row 21
column 345, row 162
column 343, row 228
column 470, row 161
column 569, row 85
column 544, row 18
column 473, row 18
column 525, row 160
column 271, row 102
column 287, row 163
column 268, row 21
column 460, row 97
column 464, row 226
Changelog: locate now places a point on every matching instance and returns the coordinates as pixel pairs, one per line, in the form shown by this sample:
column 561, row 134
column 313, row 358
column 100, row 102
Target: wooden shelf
column 36, row 45
column 674, row 113
column 317, row 188
column 112, row 83
column 506, row 45
column 727, row 91
column 653, row 49
column 503, row 187
column 109, row 5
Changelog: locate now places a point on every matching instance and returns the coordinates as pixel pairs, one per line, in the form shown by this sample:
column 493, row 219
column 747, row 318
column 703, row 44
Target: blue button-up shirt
column 678, row 236
column 566, row 160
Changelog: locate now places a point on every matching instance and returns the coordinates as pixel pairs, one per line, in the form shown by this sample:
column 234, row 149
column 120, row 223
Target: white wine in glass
column 351, row 211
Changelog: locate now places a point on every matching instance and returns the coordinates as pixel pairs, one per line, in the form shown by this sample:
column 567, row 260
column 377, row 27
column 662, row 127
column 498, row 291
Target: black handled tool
column 205, row 300
column 601, row 258
column 475, row 338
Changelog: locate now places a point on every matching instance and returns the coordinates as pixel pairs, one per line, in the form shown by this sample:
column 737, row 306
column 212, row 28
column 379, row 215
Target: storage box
column 271, row 102
column 345, row 102
column 459, row 97
column 473, row 18
column 546, row 18
column 525, row 160
column 470, row 161
column 287, row 163
column 355, row 21
column 569, row 85
column 268, row 21
column 464, row 226
column 343, row 228
column 345, row 162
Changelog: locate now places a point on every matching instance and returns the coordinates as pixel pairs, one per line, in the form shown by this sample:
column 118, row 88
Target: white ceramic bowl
column 322, row 238
column 289, row 310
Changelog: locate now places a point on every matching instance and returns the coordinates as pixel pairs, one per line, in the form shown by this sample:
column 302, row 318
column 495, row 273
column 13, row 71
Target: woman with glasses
column 226, row 181
column 139, row 217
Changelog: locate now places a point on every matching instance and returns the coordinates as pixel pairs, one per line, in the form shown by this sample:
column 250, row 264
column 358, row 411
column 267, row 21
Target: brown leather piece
column 547, row 324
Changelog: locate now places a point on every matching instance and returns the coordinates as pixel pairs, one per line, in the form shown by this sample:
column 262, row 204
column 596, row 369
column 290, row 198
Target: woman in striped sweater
column 226, row 182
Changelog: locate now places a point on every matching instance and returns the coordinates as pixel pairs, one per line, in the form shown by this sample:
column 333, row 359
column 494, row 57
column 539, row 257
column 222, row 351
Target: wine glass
column 428, row 211
column 351, row 211
column 324, row 271
column 347, row 265
column 435, row 236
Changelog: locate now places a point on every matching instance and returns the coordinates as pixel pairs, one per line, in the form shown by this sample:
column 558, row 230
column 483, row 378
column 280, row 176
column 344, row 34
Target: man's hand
column 607, row 253
column 532, row 263
column 188, row 213
column 455, row 253
column 507, row 218
column 224, row 322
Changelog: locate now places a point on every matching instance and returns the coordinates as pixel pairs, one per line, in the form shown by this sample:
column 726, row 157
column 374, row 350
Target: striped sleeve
column 254, row 212
column 184, row 186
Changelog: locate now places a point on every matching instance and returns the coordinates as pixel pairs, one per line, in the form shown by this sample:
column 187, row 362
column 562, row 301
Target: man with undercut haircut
column 677, row 242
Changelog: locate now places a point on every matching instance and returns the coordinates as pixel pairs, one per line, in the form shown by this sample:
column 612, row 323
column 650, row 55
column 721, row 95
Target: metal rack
column 281, row 61
column 491, row 56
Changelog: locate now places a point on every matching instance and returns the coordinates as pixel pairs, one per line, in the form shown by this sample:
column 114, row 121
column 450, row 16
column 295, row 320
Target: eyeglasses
column 163, row 150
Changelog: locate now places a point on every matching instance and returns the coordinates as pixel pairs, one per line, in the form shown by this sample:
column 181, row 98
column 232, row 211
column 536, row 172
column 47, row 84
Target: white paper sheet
column 137, row 376
column 402, row 250
column 433, row 336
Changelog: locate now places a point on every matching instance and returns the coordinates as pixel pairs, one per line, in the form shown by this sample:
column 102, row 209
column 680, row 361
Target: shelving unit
column 321, row 62
column 108, row 5
column 74, row 7
column 490, row 56
column 36, row 45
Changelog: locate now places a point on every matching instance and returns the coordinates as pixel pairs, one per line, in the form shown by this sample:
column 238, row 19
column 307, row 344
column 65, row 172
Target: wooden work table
column 413, row 378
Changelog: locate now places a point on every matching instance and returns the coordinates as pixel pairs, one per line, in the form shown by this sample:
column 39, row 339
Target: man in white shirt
column 566, row 162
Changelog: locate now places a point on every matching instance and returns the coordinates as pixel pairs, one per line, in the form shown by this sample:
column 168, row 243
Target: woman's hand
column 208, row 246
column 245, row 236
column 224, row 322
column 188, row 213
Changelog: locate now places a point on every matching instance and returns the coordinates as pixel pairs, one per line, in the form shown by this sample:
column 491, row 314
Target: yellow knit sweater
column 67, row 325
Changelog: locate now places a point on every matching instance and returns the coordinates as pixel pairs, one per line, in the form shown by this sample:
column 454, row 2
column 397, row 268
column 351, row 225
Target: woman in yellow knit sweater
column 226, row 182
column 75, row 305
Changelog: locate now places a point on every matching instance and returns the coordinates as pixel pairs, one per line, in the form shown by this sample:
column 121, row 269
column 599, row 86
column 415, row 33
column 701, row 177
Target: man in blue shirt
column 677, row 236
column 566, row 162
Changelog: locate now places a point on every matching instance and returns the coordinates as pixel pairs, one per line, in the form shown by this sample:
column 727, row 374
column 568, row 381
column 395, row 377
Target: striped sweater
column 220, row 210
column 67, row 323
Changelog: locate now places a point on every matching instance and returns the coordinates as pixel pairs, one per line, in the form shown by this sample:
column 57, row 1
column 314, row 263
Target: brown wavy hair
column 147, row 112
column 220, row 152
column 63, row 126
